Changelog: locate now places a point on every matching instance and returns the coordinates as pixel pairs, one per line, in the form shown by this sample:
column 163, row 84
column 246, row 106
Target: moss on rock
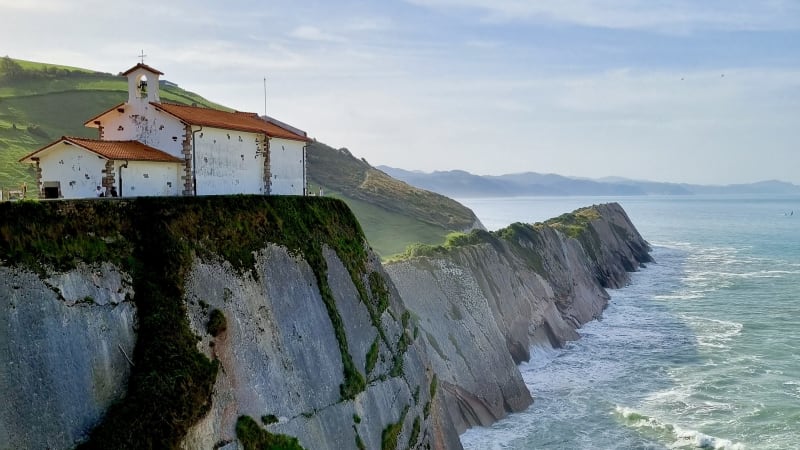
column 253, row 437
column 216, row 323
column 391, row 433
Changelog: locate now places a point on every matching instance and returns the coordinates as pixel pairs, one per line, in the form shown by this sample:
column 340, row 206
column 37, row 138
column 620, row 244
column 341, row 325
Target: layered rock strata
column 482, row 306
column 190, row 315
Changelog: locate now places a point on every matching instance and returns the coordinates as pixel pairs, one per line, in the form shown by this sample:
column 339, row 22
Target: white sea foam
column 792, row 388
column 680, row 437
column 701, row 440
column 541, row 356
column 714, row 333
column 681, row 295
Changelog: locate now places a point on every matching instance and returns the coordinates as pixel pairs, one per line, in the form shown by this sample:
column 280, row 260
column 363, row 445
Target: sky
column 666, row 90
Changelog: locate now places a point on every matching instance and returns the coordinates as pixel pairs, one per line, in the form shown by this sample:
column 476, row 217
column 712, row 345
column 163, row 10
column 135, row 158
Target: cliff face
column 484, row 305
column 279, row 357
column 225, row 322
column 63, row 341
column 219, row 322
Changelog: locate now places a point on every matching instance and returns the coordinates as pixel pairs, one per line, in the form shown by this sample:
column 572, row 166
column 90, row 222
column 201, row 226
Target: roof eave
column 29, row 158
column 94, row 122
column 142, row 66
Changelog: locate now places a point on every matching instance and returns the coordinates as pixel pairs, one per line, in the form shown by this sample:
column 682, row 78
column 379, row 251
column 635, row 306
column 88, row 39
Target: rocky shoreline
column 322, row 343
column 483, row 306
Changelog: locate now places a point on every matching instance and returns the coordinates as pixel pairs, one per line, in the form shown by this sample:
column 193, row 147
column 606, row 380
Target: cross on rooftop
column 142, row 55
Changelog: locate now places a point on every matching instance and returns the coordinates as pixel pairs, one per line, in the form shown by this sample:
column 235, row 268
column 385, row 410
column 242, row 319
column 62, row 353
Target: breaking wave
column 677, row 436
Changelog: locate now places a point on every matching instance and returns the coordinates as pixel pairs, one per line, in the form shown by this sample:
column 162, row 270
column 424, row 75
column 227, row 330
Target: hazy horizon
column 674, row 90
column 601, row 178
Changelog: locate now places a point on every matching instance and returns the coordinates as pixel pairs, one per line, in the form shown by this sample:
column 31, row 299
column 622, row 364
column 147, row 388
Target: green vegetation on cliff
column 356, row 179
column 575, row 223
column 254, row 437
column 155, row 240
column 394, row 214
column 525, row 240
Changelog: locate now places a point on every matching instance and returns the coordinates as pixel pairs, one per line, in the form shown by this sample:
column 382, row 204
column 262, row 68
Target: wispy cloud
column 40, row 6
column 656, row 15
column 312, row 33
column 483, row 44
column 372, row 23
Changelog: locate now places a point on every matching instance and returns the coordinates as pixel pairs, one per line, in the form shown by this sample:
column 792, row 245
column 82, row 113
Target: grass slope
column 393, row 213
column 390, row 233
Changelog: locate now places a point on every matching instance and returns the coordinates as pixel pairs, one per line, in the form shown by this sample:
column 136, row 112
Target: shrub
column 36, row 130
column 392, row 432
column 269, row 419
column 253, row 437
column 217, row 324
column 372, row 355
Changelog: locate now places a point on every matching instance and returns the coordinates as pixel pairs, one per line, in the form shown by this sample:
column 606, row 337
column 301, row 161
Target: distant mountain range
column 458, row 183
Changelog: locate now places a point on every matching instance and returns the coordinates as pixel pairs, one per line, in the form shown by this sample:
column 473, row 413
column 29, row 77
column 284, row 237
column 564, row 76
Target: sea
column 700, row 350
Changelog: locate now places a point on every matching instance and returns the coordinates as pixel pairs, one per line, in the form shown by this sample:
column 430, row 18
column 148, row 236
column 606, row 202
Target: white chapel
column 147, row 147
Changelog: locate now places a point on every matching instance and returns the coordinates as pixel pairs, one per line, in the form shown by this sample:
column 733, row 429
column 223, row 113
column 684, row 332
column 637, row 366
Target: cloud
column 483, row 44
column 374, row 23
column 39, row 6
column 311, row 33
column 656, row 15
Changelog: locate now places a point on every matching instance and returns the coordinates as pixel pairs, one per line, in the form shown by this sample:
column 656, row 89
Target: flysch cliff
column 220, row 322
column 253, row 322
column 483, row 303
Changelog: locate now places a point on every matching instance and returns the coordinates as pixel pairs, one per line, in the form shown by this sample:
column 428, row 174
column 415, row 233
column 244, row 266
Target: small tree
column 10, row 70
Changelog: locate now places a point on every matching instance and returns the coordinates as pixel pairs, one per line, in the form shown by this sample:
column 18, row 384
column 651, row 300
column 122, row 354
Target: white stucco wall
column 152, row 86
column 78, row 170
column 147, row 178
column 228, row 162
column 286, row 166
column 146, row 124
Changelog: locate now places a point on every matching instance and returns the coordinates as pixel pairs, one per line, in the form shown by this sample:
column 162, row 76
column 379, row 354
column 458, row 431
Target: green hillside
column 393, row 213
column 42, row 102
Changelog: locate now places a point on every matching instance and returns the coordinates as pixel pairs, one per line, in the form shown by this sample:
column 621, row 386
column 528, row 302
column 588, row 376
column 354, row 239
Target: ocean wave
column 770, row 273
column 692, row 295
column 541, row 356
column 714, row 333
column 713, row 275
column 678, row 437
column 792, row 389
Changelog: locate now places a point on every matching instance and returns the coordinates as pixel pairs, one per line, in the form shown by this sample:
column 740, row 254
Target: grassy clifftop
column 42, row 102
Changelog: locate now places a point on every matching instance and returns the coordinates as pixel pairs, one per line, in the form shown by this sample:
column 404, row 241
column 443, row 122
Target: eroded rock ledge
column 485, row 301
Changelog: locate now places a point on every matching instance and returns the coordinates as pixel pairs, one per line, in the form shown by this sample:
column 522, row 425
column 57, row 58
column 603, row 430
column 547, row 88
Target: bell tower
column 142, row 84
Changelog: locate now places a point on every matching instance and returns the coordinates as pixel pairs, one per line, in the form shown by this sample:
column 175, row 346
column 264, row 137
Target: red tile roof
column 114, row 150
column 143, row 66
column 241, row 121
